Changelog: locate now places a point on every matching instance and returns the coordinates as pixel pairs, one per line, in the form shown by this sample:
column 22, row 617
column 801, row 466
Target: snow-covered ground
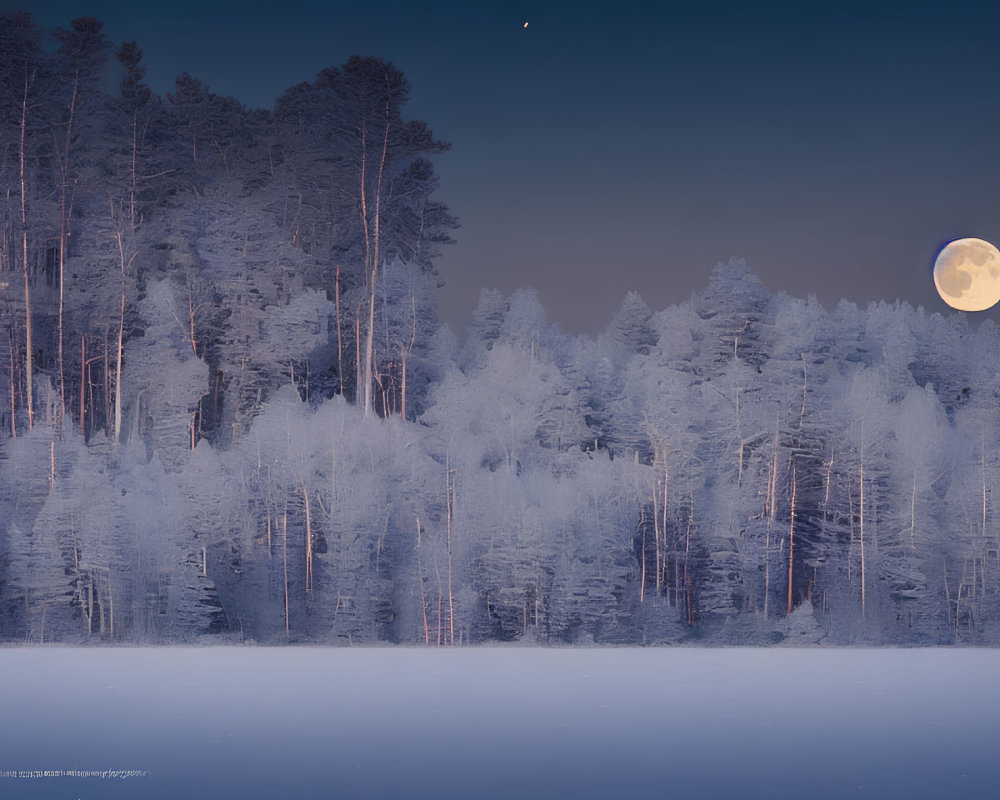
column 499, row 723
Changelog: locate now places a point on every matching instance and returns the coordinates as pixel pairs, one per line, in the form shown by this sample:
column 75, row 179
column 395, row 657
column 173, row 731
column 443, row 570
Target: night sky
column 615, row 146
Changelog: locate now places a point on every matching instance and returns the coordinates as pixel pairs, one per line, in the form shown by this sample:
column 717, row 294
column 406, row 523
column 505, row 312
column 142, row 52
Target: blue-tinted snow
column 501, row 723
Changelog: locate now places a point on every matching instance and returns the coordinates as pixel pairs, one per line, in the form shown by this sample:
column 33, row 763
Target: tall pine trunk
column 28, row 357
column 373, row 253
column 65, row 209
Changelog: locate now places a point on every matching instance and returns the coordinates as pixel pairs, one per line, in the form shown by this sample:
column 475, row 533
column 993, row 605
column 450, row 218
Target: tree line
column 241, row 209
column 231, row 414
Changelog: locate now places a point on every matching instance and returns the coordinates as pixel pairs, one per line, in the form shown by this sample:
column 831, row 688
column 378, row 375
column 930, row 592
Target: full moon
column 967, row 274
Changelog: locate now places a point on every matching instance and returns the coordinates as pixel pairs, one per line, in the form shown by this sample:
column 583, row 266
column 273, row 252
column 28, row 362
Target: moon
column 967, row 274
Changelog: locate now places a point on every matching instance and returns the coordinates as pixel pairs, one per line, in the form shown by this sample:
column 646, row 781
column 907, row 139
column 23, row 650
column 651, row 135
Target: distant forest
column 229, row 413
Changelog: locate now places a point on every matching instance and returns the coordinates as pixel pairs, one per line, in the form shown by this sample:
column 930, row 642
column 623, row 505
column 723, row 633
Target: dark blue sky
column 617, row 146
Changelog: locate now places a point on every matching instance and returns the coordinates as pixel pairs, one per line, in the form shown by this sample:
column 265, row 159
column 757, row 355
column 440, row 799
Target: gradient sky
column 836, row 146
